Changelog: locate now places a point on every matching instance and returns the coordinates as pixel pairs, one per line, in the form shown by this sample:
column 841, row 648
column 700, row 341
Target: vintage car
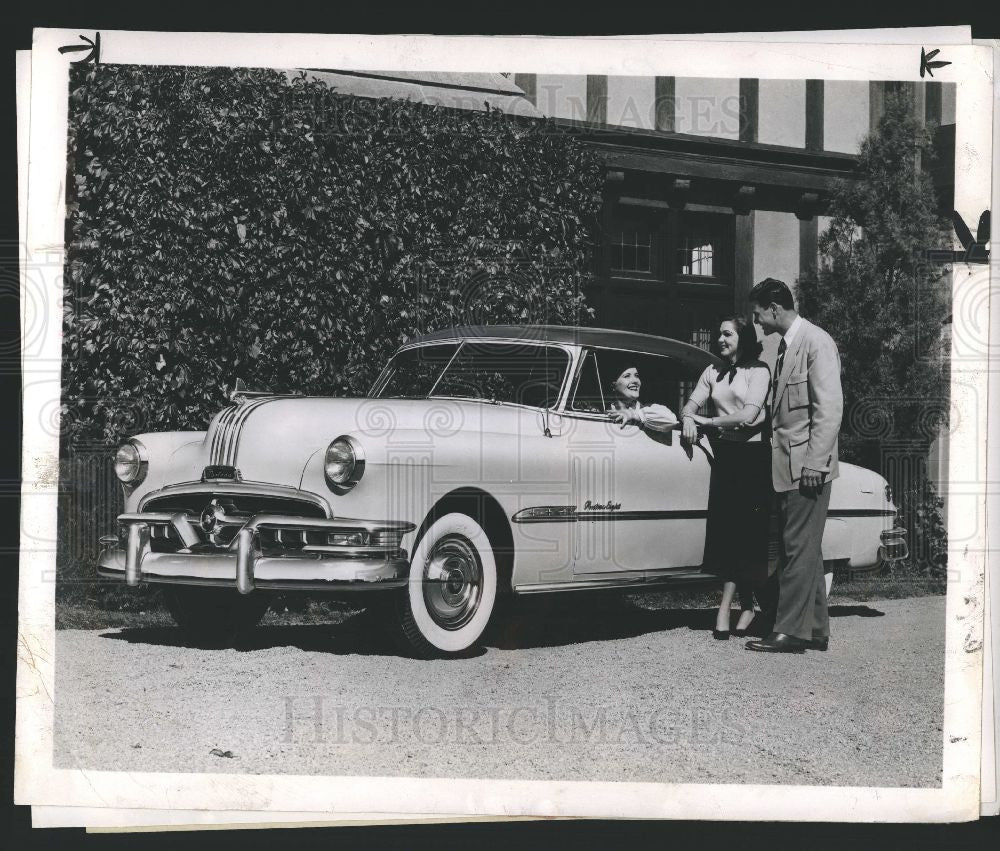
column 481, row 465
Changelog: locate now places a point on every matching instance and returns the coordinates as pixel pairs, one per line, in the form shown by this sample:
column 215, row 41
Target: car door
column 641, row 496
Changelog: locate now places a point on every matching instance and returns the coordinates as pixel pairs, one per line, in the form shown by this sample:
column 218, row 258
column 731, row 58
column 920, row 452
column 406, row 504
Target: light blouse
column 749, row 386
column 654, row 417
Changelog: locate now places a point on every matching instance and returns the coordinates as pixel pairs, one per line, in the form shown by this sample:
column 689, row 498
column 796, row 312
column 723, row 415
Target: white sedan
column 482, row 463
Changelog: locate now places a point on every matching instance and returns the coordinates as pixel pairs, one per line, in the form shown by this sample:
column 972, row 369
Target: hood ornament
column 239, row 395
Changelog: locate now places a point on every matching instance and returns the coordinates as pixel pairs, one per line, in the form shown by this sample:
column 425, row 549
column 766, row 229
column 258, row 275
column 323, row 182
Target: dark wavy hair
column 772, row 291
column 748, row 346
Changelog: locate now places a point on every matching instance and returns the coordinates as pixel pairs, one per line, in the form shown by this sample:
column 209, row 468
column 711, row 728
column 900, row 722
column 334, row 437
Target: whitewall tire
column 452, row 588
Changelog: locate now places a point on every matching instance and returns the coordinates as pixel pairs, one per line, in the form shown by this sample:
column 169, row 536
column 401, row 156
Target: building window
column 702, row 338
column 703, row 241
column 632, row 251
column 695, row 253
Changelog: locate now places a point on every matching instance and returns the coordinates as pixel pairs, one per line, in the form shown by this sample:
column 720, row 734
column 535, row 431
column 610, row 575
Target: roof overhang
column 679, row 168
column 470, row 91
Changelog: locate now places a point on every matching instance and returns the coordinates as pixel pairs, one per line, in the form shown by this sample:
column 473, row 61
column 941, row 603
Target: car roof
column 606, row 338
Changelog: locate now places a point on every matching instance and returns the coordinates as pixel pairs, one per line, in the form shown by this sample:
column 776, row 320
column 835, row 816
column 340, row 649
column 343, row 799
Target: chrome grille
column 245, row 503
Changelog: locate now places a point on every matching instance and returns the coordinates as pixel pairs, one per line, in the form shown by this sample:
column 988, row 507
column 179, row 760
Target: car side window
column 662, row 377
column 589, row 397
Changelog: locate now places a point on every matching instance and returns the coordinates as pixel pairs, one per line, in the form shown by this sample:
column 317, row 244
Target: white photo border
column 37, row 782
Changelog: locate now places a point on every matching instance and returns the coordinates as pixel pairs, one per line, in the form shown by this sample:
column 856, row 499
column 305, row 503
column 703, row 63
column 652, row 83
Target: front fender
column 174, row 456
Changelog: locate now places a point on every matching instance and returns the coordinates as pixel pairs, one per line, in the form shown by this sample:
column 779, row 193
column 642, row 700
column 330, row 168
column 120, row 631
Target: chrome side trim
column 569, row 514
column 629, row 581
column 860, row 512
column 665, row 514
column 545, row 514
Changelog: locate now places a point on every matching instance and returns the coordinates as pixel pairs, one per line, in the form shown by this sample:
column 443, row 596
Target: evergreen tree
column 886, row 304
column 878, row 295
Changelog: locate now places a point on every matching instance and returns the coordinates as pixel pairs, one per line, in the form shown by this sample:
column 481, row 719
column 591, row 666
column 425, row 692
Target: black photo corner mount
column 926, row 65
column 975, row 250
column 94, row 46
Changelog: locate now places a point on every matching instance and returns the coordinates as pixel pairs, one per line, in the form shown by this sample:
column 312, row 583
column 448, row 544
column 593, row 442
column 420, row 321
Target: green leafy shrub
column 229, row 223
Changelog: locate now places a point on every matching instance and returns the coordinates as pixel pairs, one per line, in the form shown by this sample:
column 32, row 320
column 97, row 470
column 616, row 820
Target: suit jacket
column 806, row 409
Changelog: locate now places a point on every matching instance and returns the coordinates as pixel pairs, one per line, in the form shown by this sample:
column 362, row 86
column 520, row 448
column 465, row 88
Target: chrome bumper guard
column 379, row 563
column 894, row 546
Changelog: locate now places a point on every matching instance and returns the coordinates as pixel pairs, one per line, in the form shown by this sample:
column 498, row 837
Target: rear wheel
column 452, row 588
column 218, row 617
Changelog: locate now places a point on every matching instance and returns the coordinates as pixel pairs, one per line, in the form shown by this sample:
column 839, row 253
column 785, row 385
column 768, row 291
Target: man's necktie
column 777, row 370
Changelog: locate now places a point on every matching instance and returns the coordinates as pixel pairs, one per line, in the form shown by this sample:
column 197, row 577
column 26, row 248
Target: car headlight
column 131, row 463
column 344, row 464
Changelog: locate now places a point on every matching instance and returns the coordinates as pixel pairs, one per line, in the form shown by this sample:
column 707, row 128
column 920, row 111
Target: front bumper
column 244, row 565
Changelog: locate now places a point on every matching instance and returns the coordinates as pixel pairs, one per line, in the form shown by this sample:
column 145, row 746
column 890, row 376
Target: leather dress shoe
column 778, row 642
column 821, row 643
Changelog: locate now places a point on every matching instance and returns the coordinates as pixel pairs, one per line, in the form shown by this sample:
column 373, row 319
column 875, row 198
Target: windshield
column 518, row 373
column 413, row 373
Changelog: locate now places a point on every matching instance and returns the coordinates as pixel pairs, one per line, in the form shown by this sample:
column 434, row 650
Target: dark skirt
column 739, row 509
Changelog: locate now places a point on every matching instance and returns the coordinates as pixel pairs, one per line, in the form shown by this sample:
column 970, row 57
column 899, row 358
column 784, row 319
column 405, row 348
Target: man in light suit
column 806, row 408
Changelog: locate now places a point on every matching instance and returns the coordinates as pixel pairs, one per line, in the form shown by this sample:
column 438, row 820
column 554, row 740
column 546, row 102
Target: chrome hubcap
column 453, row 582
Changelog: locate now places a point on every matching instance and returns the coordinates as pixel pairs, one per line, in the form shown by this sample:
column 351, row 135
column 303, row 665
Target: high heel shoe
column 743, row 633
column 720, row 634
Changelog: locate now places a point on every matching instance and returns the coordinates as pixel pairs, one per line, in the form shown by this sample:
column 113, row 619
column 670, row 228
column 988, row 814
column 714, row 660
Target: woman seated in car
column 626, row 408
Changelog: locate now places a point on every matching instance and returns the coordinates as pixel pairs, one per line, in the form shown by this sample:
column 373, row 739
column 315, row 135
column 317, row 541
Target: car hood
column 271, row 439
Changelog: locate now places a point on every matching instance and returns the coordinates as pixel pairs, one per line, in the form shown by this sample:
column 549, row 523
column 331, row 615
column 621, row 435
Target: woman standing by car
column 739, row 500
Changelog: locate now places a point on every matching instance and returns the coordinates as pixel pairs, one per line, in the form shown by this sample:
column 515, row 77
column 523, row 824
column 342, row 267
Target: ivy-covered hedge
column 227, row 223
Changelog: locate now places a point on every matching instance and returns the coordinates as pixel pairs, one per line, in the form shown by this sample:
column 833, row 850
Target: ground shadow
column 855, row 611
column 531, row 623
column 355, row 636
column 560, row 621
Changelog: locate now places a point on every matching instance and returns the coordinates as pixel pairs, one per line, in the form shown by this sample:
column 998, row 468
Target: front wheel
column 452, row 588
column 216, row 617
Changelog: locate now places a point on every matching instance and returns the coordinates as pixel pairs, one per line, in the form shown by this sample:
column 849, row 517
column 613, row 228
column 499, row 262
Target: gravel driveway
column 600, row 691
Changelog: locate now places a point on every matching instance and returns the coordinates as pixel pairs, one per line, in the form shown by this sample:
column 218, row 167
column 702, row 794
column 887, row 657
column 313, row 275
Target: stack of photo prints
column 432, row 428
